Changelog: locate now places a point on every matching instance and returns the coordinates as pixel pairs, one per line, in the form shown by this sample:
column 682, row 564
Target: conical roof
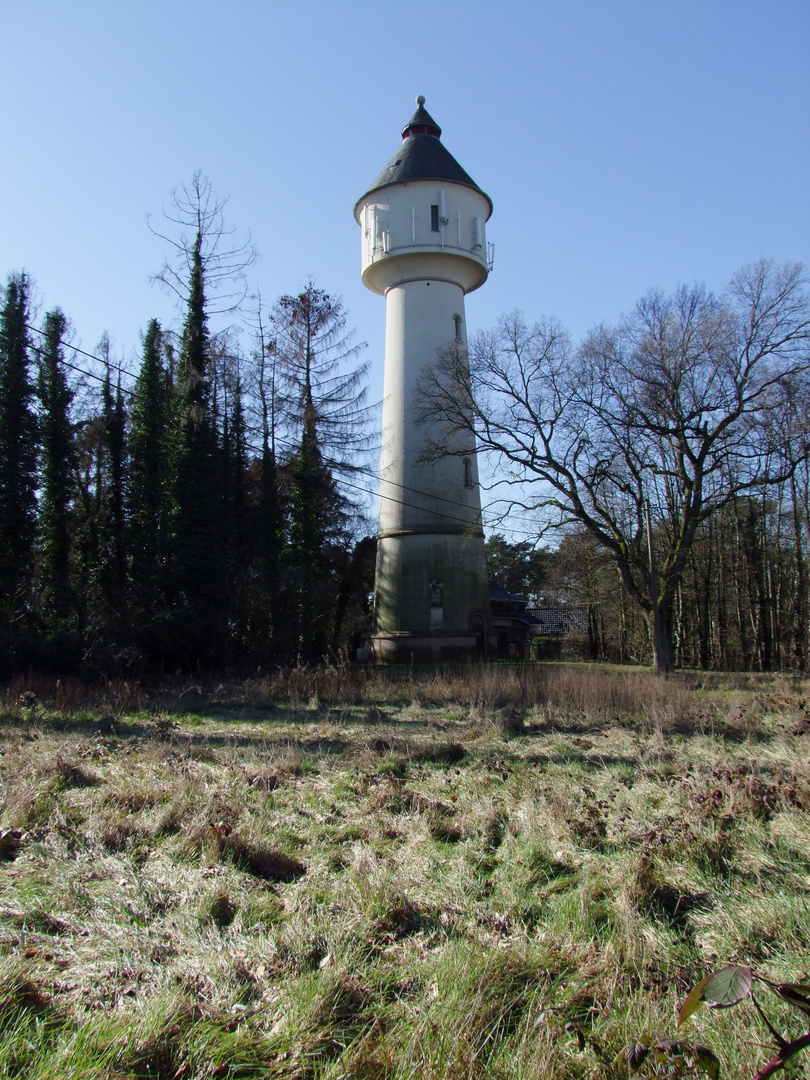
column 421, row 123
column 422, row 156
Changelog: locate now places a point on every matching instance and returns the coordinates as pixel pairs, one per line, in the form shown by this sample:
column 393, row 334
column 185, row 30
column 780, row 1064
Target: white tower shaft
column 424, row 249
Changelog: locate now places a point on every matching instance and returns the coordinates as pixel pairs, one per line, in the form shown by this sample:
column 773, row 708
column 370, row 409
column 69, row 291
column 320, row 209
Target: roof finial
column 420, row 100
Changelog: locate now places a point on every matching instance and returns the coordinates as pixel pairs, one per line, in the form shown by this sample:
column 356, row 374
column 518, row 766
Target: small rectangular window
column 434, row 218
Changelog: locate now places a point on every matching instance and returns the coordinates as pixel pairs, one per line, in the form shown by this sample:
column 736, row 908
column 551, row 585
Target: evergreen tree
column 328, row 402
column 115, row 423
column 313, row 502
column 313, row 351
column 148, row 490
column 198, row 549
column 234, row 471
column 88, row 523
column 240, row 514
column 97, row 520
column 229, row 415
column 207, row 272
column 271, row 525
column 519, row 568
column 57, row 464
column 18, row 451
column 269, row 617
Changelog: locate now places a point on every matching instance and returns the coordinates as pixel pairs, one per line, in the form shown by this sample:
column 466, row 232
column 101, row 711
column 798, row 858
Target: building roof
column 524, row 619
column 422, row 156
column 497, row 593
column 421, row 123
column 557, row 621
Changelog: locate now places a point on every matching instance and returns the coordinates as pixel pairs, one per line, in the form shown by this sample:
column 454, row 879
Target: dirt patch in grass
column 661, row 899
column 121, row 836
column 401, row 918
column 18, row 993
column 441, row 753
column 261, row 861
column 220, row 909
column 11, row 841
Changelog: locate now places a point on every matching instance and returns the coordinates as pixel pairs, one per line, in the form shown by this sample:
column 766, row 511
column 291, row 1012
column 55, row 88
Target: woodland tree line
column 202, row 511
column 193, row 515
column 671, row 452
column 742, row 603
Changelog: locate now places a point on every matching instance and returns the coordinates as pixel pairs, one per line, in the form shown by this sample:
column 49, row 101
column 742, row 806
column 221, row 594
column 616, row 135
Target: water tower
column 424, row 248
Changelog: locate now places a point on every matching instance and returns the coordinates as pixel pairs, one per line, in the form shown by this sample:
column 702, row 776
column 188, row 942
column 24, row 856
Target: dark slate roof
column 422, row 156
column 558, row 621
column 421, row 119
column 497, row 593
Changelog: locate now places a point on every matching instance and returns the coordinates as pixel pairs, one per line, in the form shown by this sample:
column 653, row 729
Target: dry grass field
column 506, row 872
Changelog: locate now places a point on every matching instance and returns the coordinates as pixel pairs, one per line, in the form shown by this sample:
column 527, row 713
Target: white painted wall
column 396, row 222
column 419, row 325
column 430, row 511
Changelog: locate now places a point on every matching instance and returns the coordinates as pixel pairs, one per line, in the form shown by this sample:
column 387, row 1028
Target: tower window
column 468, row 473
column 457, row 321
column 434, row 218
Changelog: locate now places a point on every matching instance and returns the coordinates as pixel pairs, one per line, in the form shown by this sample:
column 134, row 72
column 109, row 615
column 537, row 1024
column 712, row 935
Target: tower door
column 480, row 630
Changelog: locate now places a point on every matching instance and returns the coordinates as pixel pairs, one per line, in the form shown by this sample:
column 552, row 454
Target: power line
column 290, row 447
column 135, row 378
column 90, row 356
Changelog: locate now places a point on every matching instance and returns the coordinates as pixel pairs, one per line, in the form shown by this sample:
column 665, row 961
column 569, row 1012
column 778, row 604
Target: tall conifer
column 270, row 510
column 18, row 450
column 234, row 470
column 328, row 402
column 198, row 566
column 57, row 463
column 115, row 438
column 313, row 502
column 148, row 492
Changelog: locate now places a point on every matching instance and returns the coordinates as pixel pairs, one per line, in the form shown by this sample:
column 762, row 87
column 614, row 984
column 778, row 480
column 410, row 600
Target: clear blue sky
column 625, row 143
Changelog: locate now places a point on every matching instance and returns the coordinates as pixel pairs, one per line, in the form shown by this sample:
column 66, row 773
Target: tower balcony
column 385, row 270
column 419, row 231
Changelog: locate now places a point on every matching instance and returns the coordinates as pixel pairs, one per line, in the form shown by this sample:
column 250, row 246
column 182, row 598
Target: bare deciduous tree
column 647, row 430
